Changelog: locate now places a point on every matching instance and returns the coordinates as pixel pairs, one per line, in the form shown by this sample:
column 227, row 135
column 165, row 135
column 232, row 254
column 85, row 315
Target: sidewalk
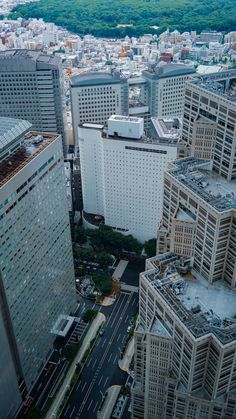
column 124, row 363
column 120, row 269
column 108, row 406
column 91, row 333
column 108, row 301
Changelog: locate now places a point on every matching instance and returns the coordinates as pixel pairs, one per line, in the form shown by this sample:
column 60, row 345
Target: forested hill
column 101, row 17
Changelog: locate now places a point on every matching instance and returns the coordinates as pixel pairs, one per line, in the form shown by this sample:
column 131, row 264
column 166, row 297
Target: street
column 102, row 369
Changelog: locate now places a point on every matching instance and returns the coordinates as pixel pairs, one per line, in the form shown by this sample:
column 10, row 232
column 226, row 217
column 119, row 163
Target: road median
column 74, row 371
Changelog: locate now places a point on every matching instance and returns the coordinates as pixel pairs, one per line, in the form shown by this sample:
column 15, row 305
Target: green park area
column 107, row 18
column 95, row 251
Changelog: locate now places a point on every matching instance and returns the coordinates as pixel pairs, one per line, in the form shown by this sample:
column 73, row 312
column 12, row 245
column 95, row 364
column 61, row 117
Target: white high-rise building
column 31, row 88
column 36, row 261
column 122, row 175
column 95, row 96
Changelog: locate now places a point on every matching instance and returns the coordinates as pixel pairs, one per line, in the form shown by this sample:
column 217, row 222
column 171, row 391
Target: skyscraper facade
column 166, row 87
column 95, row 96
column 36, row 262
column 210, row 100
column 185, row 341
column 185, row 344
column 31, row 88
column 122, row 175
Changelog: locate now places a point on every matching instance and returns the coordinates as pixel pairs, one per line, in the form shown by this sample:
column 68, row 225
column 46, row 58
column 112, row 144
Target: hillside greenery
column 101, row 17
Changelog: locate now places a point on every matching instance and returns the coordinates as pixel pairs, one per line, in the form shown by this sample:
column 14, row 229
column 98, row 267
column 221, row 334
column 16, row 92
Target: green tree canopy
column 103, row 17
column 150, row 247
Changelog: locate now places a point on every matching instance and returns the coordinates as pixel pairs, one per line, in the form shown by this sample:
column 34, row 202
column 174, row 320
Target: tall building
column 36, row 261
column 199, row 215
column 210, row 119
column 166, row 87
column 95, row 96
column 185, row 344
column 31, row 88
column 122, row 175
column 10, row 397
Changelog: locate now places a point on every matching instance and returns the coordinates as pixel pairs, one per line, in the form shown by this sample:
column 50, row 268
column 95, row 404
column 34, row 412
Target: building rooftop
column 144, row 139
column 158, row 328
column 202, row 307
column 34, row 143
column 182, row 215
column 136, row 81
column 221, row 84
column 168, row 70
column 10, row 130
column 167, row 129
column 34, row 59
column 122, row 118
column 198, row 176
column 95, row 78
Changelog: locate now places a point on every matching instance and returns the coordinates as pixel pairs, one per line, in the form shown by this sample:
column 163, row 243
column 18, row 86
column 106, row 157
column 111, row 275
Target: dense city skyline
column 117, row 223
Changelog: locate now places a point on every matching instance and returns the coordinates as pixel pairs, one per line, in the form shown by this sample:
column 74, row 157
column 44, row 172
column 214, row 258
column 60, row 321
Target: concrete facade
column 166, row 87
column 31, row 88
column 122, row 179
column 185, row 350
column 210, row 100
column 36, row 262
column 95, row 97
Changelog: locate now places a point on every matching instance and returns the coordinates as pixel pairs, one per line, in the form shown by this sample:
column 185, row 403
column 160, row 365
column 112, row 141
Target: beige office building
column 210, row 119
column 185, row 340
column 185, row 344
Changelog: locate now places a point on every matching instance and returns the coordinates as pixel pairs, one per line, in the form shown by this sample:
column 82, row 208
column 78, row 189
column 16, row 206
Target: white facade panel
column 122, row 180
column 125, row 126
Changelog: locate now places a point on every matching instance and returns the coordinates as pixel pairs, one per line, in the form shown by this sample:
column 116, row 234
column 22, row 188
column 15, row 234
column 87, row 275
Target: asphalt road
column 131, row 273
column 53, row 372
column 101, row 370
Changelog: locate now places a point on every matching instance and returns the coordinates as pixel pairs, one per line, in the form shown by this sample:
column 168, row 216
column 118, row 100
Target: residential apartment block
column 36, row 261
column 95, row 96
column 31, row 88
column 122, row 175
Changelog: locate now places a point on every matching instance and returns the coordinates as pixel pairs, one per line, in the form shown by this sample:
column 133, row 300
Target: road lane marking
column 83, row 386
column 88, row 363
column 100, row 380
column 39, row 386
column 103, row 343
column 114, row 362
column 115, row 307
column 126, row 318
column 72, row 412
column 104, row 385
column 109, row 358
column 118, row 337
column 95, row 407
column 78, row 386
column 90, row 404
column 123, row 306
column 94, row 363
column 67, row 409
column 134, row 301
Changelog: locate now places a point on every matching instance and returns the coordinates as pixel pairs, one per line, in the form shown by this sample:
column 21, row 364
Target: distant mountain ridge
column 102, row 17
